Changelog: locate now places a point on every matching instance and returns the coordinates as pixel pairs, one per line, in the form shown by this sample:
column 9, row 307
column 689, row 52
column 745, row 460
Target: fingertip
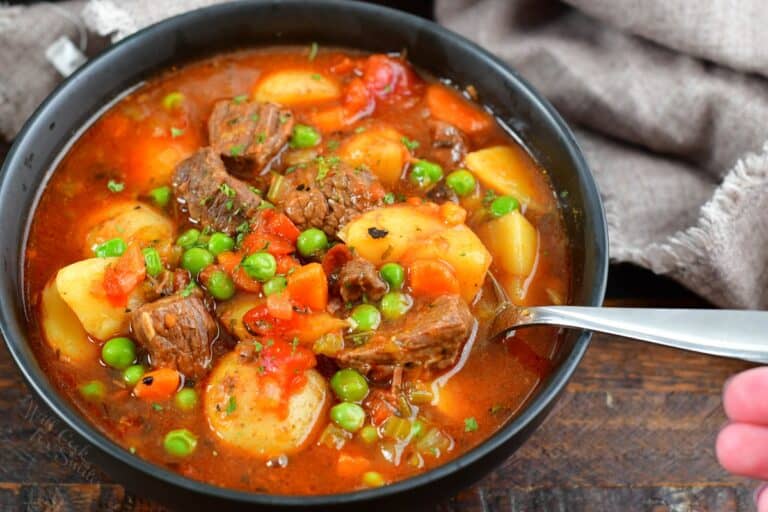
column 761, row 498
column 727, row 447
column 742, row 395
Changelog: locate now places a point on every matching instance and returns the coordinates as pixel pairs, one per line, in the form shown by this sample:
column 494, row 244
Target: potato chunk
column 80, row 287
column 418, row 233
column 296, row 87
column 508, row 171
column 231, row 313
column 379, row 149
column 63, row 331
column 129, row 220
column 513, row 241
column 243, row 408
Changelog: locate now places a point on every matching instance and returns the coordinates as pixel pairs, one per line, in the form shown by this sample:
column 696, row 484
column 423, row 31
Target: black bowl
column 79, row 100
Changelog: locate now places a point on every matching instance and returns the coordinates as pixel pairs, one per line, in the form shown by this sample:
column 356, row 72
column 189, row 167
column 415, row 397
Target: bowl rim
column 14, row 335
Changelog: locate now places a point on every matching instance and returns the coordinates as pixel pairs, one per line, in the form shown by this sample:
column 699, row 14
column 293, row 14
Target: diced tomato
column 357, row 98
column 350, row 466
column 343, row 66
column 279, row 224
column 229, row 261
column 288, row 362
column 335, row 258
column 279, row 306
column 386, row 77
column 257, row 242
column 286, row 263
column 124, row 276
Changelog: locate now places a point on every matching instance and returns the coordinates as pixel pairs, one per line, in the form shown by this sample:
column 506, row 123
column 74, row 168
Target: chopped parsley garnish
column 410, row 144
column 115, row 186
column 470, row 424
column 260, row 138
column 242, row 98
column 322, row 168
column 229, row 205
column 284, row 118
column 497, row 408
column 360, row 129
column 187, row 291
column 157, row 407
column 257, row 346
column 316, row 76
column 333, row 145
column 176, row 132
column 290, row 170
column 236, row 150
column 389, row 198
column 313, row 51
column 227, row 190
column 255, row 118
column 231, row 405
column 490, row 195
column 294, row 344
column 264, row 205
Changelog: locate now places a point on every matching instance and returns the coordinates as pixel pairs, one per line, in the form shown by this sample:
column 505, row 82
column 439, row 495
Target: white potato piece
column 80, row 287
column 513, row 241
column 130, row 220
column 508, row 171
column 414, row 233
column 379, row 149
column 295, row 87
column 63, row 331
column 242, row 407
column 231, row 313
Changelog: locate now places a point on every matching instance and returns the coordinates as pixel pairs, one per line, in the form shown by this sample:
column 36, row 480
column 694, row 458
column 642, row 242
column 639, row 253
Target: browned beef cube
column 327, row 193
column 210, row 195
column 430, row 336
column 249, row 130
column 448, row 144
column 177, row 332
column 357, row 278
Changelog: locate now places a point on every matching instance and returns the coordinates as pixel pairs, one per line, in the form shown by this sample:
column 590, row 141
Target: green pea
column 311, row 241
column 152, row 261
column 462, row 182
column 220, row 285
column 425, row 173
column 369, row 434
column 260, row 266
column 219, row 243
column 196, row 259
column 348, row 416
column 110, row 248
column 373, row 479
column 180, row 442
column 304, row 137
column 161, row 196
column 366, row 317
column 93, row 391
column 133, row 374
column 119, row 353
column 393, row 274
column 275, row 285
column 395, row 304
column 186, row 399
column 349, row 385
column 188, row 238
column 503, row 205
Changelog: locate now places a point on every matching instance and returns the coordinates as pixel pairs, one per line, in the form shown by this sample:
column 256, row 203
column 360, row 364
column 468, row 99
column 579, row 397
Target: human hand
column 742, row 445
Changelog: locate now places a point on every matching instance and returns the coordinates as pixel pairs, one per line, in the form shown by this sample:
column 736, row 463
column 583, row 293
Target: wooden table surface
column 634, row 430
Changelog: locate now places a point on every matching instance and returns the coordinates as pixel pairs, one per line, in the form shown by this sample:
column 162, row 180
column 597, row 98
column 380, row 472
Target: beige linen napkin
column 669, row 101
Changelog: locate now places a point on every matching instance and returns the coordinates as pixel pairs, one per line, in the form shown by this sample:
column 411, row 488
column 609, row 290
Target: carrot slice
column 308, row 286
column 432, row 278
column 447, row 105
column 351, row 465
column 159, row 384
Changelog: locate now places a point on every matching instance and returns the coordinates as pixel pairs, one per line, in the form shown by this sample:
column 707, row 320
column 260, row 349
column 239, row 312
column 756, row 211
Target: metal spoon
column 738, row 334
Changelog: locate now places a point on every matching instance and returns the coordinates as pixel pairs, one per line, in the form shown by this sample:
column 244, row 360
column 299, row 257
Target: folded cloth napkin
column 669, row 101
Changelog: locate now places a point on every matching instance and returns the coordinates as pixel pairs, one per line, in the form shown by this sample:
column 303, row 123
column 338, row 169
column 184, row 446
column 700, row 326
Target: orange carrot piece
column 350, row 466
column 447, row 105
column 159, row 384
column 432, row 278
column 309, row 327
column 308, row 286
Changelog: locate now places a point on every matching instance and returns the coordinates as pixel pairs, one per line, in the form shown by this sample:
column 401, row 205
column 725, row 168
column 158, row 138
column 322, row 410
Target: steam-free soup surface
column 274, row 270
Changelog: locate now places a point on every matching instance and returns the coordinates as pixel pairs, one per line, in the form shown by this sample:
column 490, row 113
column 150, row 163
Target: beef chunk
column 249, row 130
column 177, row 332
column 210, row 195
column 429, row 336
column 448, row 144
column 358, row 278
column 327, row 193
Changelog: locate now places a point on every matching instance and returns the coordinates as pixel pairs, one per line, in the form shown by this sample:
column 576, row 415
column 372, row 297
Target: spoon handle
column 738, row 334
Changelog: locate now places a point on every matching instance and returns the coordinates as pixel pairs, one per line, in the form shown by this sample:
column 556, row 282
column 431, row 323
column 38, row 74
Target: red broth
column 136, row 145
